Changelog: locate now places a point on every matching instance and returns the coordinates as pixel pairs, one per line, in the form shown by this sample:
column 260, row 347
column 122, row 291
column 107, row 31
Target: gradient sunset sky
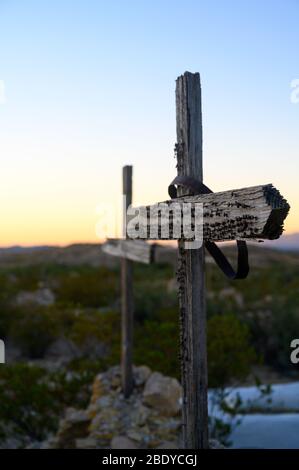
column 88, row 86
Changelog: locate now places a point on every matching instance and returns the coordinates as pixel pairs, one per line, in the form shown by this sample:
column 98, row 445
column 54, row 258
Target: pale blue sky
column 90, row 87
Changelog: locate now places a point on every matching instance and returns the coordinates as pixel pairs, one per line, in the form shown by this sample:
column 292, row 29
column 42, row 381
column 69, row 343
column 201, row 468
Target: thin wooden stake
column 191, row 273
column 127, row 300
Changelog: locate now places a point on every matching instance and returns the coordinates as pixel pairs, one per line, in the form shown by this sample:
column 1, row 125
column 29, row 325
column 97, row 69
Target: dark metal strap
column 221, row 260
column 224, row 264
column 187, row 182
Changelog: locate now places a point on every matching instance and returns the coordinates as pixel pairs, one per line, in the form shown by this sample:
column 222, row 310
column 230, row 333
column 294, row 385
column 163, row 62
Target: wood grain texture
column 134, row 250
column 190, row 274
column 257, row 212
column 127, row 300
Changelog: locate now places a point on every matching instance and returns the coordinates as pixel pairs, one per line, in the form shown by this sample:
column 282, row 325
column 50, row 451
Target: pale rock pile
column 149, row 418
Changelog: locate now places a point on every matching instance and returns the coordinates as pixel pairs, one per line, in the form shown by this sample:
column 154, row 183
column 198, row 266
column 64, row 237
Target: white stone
column 163, row 393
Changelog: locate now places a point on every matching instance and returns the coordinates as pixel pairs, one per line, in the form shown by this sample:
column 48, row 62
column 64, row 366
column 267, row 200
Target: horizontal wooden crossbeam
column 257, row 212
column 134, row 250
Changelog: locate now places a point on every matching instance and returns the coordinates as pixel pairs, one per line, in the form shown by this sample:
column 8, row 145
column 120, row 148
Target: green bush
column 28, row 408
column 33, row 400
column 105, row 327
column 150, row 299
column 230, row 355
column 156, row 344
column 273, row 330
column 88, row 287
column 33, row 328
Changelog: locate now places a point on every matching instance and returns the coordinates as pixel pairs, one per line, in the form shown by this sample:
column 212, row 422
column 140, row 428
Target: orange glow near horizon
column 67, row 224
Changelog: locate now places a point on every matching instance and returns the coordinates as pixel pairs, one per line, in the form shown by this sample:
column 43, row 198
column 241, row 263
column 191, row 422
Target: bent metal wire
column 196, row 187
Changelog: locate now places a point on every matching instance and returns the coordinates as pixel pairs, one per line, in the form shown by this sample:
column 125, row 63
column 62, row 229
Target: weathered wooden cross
column 128, row 251
column 251, row 213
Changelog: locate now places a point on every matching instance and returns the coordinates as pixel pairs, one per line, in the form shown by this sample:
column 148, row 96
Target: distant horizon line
column 100, row 241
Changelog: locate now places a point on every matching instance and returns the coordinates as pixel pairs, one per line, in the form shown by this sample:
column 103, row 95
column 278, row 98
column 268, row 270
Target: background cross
column 128, row 251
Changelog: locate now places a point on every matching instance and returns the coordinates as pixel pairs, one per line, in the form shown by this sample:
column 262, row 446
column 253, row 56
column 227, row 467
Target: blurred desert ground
column 261, row 254
column 60, row 320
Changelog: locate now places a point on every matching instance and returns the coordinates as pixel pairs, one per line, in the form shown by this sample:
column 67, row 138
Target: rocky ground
column 149, row 419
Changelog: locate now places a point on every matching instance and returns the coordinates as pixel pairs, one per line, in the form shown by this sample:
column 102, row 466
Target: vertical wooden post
column 191, row 272
column 127, row 299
